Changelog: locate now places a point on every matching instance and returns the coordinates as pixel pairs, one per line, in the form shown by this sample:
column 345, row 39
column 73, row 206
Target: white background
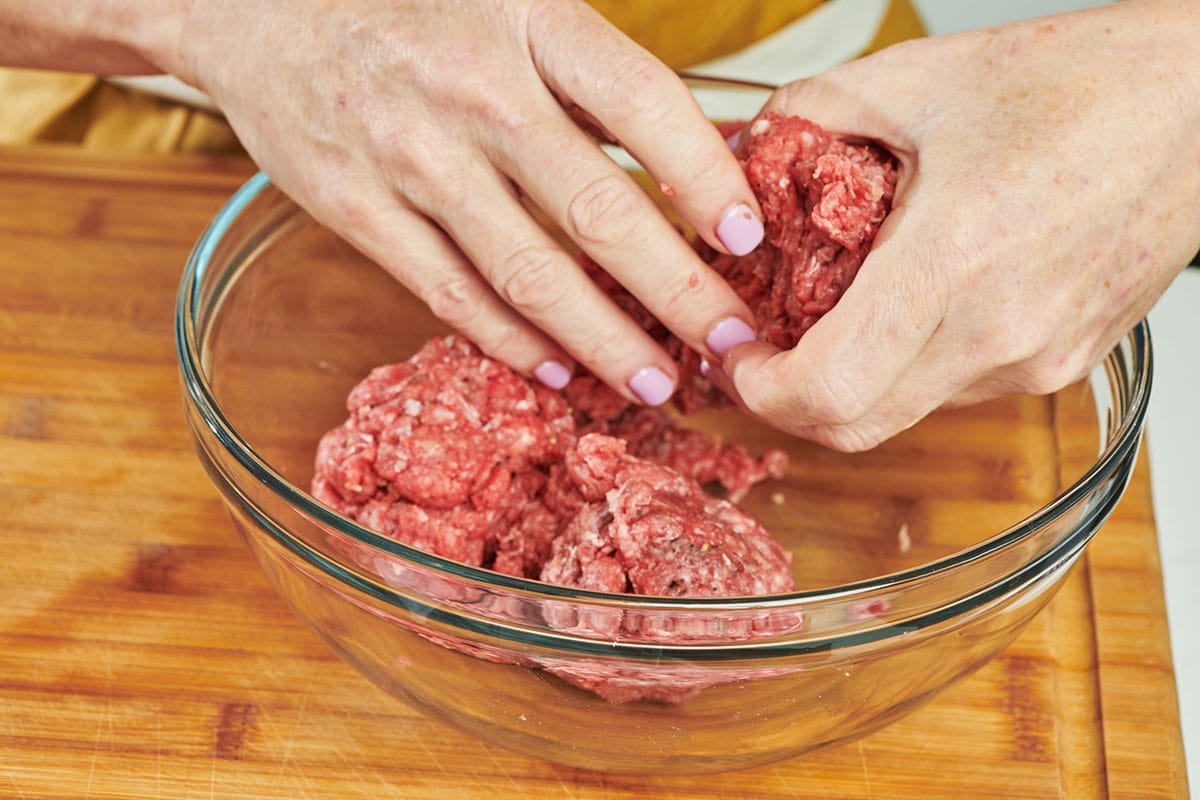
column 947, row 16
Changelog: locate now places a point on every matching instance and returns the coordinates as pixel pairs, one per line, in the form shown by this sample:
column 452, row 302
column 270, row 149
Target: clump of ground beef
column 653, row 434
column 823, row 199
column 647, row 529
column 443, row 451
column 455, row 453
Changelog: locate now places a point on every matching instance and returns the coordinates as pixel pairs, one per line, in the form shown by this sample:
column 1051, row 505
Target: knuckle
column 530, row 279
column 504, row 342
column 497, row 112
column 681, row 296
column 1040, row 381
column 603, row 212
column 431, row 169
column 696, row 169
column 433, row 184
column 455, row 300
column 637, row 91
column 1013, row 340
column 998, row 345
column 601, row 346
column 1048, row 374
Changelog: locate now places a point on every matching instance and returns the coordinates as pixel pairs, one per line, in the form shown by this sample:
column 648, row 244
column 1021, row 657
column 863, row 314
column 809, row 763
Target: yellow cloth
column 680, row 35
column 81, row 109
column 84, row 110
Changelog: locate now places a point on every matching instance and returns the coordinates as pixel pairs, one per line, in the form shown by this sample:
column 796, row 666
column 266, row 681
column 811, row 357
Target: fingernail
column 727, row 334
column 652, row 386
column 739, row 230
column 705, row 368
column 553, row 374
column 734, row 139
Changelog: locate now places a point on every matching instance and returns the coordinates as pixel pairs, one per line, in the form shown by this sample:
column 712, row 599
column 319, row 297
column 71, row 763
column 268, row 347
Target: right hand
column 414, row 128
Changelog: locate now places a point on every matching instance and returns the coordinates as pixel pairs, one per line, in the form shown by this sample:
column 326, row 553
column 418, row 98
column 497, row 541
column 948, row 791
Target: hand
column 1049, row 192
column 414, row 129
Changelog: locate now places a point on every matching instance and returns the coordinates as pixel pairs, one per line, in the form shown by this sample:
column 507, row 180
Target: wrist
column 103, row 36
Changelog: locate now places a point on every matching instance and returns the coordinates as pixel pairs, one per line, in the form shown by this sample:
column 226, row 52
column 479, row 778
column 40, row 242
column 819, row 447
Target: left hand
column 1049, row 193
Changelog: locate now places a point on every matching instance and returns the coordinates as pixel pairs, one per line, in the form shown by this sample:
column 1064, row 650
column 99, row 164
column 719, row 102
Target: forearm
column 100, row 36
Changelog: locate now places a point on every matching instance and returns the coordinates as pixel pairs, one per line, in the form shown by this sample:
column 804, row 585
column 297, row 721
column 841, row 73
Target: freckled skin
column 1038, row 160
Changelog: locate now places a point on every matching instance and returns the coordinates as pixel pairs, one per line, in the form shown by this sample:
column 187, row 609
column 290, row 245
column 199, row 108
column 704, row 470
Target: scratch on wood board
column 16, row 788
column 862, row 758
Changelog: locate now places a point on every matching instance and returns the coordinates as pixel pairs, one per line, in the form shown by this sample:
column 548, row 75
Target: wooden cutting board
column 142, row 654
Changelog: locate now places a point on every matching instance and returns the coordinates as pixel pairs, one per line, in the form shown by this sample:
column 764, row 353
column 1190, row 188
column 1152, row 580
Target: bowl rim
column 1116, row 453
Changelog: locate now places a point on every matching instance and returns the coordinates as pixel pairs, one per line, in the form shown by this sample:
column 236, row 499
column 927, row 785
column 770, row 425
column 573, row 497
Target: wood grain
column 143, row 655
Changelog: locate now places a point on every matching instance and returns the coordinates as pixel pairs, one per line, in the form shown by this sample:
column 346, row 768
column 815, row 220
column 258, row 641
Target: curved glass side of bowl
column 916, row 562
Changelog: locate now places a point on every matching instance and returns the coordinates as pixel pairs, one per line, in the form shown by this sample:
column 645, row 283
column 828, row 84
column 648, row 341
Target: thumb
column 842, row 376
column 870, row 98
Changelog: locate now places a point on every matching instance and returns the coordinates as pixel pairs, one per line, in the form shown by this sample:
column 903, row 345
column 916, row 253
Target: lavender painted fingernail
column 705, row 368
column 553, row 374
column 739, row 230
column 727, row 334
column 652, row 386
column 734, row 139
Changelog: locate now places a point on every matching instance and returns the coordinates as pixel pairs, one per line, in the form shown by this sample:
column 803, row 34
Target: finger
column 949, row 372
column 922, row 389
column 603, row 209
column 1058, row 363
column 844, row 371
column 545, row 285
column 980, row 392
column 425, row 260
column 715, row 373
column 649, row 110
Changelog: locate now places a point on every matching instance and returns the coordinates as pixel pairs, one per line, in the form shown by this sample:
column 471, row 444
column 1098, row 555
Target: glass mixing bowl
column 916, row 562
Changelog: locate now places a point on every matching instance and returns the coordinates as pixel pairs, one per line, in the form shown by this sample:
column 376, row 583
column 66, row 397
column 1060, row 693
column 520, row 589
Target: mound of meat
column 823, row 200
column 456, row 454
column 647, row 529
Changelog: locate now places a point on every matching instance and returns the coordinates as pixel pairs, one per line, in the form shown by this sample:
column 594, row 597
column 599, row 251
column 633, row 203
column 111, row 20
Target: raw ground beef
column 652, row 434
column 647, row 529
column 444, row 451
column 456, row 454
column 823, row 200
